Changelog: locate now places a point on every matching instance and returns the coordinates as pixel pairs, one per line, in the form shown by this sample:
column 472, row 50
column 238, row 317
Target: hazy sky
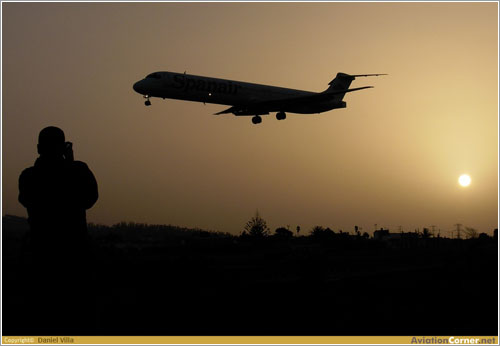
column 391, row 158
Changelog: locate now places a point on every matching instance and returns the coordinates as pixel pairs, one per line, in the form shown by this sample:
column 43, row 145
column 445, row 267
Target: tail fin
column 342, row 82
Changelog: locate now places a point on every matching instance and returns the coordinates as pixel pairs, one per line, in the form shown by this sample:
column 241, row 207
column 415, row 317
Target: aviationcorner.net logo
column 454, row 340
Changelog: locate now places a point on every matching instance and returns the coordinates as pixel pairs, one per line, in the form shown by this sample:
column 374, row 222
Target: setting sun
column 464, row 180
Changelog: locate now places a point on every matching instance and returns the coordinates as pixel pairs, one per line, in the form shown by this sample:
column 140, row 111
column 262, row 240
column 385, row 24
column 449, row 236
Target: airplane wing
column 264, row 107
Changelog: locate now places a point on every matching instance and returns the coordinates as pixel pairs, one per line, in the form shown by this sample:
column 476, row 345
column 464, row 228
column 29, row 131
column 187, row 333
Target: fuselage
column 188, row 87
column 247, row 98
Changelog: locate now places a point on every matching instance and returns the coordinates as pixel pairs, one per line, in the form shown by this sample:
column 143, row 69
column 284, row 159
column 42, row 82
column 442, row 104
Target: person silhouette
column 56, row 192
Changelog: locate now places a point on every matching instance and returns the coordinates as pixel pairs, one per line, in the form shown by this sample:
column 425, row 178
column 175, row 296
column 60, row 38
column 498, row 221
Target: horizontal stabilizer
column 346, row 91
column 343, row 80
column 369, row 75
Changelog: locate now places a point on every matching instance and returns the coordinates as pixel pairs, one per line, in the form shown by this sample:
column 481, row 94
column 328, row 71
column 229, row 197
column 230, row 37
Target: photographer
column 56, row 192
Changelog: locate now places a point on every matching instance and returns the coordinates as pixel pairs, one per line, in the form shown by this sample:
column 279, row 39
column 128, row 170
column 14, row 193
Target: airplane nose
column 138, row 87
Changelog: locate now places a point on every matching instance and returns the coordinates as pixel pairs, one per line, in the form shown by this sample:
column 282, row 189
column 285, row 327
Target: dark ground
column 184, row 282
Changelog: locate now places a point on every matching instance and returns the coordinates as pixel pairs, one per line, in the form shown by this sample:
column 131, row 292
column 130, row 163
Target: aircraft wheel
column 281, row 115
column 256, row 119
column 147, row 103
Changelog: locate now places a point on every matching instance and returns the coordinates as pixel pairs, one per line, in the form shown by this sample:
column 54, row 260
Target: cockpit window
column 155, row 75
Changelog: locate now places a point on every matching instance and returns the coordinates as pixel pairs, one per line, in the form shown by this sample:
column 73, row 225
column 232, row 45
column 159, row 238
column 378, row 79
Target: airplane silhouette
column 247, row 99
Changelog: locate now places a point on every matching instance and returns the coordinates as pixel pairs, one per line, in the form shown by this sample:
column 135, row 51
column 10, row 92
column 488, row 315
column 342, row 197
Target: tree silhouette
column 471, row 233
column 357, row 231
column 322, row 233
column 317, row 230
column 282, row 232
column 257, row 226
column 426, row 234
column 483, row 236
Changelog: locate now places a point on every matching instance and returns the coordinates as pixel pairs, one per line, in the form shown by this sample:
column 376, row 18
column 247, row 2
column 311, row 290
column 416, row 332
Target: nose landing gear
column 147, row 102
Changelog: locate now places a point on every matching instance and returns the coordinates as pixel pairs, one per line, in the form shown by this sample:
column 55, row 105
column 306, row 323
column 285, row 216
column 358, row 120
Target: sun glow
column 464, row 180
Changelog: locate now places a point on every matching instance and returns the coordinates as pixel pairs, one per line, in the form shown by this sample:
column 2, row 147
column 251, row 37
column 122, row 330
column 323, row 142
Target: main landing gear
column 281, row 115
column 256, row 119
column 147, row 102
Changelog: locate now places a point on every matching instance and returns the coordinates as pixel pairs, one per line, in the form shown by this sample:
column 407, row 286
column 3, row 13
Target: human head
column 51, row 142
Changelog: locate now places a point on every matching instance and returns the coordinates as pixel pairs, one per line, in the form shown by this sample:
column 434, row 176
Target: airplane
column 247, row 99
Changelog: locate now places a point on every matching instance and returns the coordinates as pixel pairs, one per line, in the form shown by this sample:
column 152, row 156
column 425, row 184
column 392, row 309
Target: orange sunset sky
column 391, row 158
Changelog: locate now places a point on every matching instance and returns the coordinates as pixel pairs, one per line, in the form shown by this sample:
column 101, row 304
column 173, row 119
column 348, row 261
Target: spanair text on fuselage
column 212, row 90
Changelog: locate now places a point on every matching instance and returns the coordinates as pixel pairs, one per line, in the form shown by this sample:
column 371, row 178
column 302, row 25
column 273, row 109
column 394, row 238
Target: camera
column 68, row 151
